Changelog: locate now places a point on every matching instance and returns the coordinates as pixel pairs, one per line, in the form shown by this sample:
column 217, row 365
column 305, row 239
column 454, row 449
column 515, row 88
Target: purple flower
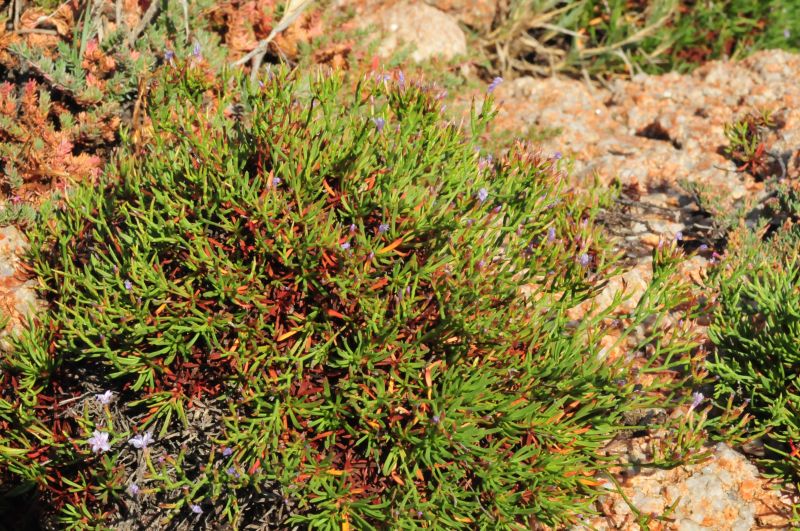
column 276, row 181
column 401, row 79
column 196, row 51
column 104, row 398
column 352, row 228
column 383, row 227
column 497, row 209
column 697, row 398
column 231, row 471
column 142, row 440
column 494, row 84
column 703, row 247
column 196, row 509
column 435, row 419
column 227, row 452
column 379, row 123
column 482, row 194
column 470, row 222
column 557, row 155
column 133, row 489
column 584, row 260
column 345, row 245
column 678, row 236
column 99, row 442
column 169, row 56
column 551, row 234
column 485, row 162
column 128, row 284
column 481, row 264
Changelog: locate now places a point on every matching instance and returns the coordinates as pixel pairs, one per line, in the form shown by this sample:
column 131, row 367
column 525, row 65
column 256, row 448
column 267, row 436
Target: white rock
column 430, row 31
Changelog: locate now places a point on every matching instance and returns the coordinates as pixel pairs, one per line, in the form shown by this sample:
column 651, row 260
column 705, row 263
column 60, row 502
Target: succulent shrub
column 300, row 303
column 756, row 330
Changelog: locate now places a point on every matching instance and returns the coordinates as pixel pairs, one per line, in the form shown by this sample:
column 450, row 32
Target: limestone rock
column 431, row 32
column 478, row 14
column 17, row 293
column 723, row 493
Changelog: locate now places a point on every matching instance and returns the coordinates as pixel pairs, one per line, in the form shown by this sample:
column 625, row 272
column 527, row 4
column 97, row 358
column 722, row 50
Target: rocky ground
column 661, row 138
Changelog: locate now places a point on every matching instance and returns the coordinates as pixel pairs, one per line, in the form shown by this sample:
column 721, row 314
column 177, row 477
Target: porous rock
column 431, row 32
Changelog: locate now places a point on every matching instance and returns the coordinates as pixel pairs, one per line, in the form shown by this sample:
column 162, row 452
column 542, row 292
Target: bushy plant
column 756, row 331
column 304, row 304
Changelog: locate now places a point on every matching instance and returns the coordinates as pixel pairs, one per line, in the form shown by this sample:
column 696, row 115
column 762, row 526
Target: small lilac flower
column 401, row 79
column 227, row 452
column 497, row 209
column 379, row 123
column 352, row 228
column 557, row 155
column 703, row 247
column 383, row 227
column 482, row 194
column 678, row 236
column 128, row 284
column 133, row 489
column 494, row 84
column 196, row 509
column 551, row 234
column 435, row 419
column 481, row 264
column 485, row 162
column 104, row 398
column 584, row 260
column 345, row 245
column 470, row 222
column 697, row 398
column 231, row 471
column 142, row 440
column 99, row 442
column 276, row 181
column 169, row 56
column 196, row 51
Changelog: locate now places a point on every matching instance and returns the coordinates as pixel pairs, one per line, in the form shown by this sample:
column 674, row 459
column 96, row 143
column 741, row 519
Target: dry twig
column 294, row 9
